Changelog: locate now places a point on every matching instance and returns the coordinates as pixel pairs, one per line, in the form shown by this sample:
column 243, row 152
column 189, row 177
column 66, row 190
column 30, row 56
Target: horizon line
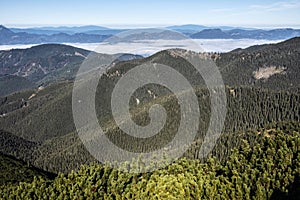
column 124, row 26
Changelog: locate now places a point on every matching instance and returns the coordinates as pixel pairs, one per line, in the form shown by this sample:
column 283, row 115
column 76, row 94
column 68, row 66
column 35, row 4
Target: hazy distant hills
column 68, row 30
column 96, row 34
column 193, row 28
column 274, row 34
column 9, row 37
column 61, row 29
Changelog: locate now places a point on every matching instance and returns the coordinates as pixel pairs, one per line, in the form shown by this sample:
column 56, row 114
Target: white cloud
column 153, row 46
column 284, row 5
column 254, row 10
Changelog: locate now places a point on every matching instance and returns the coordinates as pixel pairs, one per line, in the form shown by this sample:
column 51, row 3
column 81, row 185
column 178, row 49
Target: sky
column 150, row 13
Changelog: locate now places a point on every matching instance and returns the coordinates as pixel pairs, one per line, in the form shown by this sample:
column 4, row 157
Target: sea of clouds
column 149, row 47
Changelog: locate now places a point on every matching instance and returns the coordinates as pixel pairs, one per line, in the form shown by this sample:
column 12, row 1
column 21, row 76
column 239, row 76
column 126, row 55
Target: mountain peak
column 211, row 34
column 4, row 30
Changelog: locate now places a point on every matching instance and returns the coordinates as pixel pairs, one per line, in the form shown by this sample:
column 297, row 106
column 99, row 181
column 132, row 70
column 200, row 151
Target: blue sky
column 117, row 13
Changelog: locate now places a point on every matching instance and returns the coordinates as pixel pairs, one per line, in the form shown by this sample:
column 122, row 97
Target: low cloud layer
column 148, row 47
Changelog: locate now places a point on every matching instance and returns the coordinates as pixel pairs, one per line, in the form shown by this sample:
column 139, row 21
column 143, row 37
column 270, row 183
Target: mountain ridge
column 95, row 34
column 274, row 34
column 9, row 37
column 44, row 64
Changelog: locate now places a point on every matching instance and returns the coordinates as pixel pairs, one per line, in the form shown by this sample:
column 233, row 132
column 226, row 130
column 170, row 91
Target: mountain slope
column 41, row 61
column 5, row 32
column 22, row 69
column 268, row 169
column 14, row 171
column 10, row 84
column 274, row 66
column 44, row 117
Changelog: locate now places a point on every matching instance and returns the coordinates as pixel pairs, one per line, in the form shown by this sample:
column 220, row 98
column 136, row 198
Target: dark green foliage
column 48, row 63
column 13, row 171
column 47, row 113
column 16, row 146
column 46, row 119
column 238, row 67
column 269, row 169
column 61, row 154
column 10, row 84
column 37, row 127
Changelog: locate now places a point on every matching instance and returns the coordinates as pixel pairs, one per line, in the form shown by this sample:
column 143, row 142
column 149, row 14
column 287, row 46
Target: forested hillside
column 14, row 171
column 256, row 157
column 46, row 121
column 274, row 66
column 10, row 84
column 269, row 169
column 270, row 66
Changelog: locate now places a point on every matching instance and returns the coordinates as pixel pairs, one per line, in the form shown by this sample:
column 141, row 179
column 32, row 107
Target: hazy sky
column 117, row 13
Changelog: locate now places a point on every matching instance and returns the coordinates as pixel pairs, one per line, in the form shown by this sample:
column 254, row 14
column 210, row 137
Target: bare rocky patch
column 267, row 72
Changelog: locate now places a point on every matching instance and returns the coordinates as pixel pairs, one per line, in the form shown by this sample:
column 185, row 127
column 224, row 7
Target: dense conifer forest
column 257, row 155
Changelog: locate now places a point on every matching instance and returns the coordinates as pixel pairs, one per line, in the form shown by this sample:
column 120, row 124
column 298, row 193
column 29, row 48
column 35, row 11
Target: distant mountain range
column 96, row 34
column 193, row 28
column 274, row 34
column 68, row 30
column 7, row 36
column 187, row 28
